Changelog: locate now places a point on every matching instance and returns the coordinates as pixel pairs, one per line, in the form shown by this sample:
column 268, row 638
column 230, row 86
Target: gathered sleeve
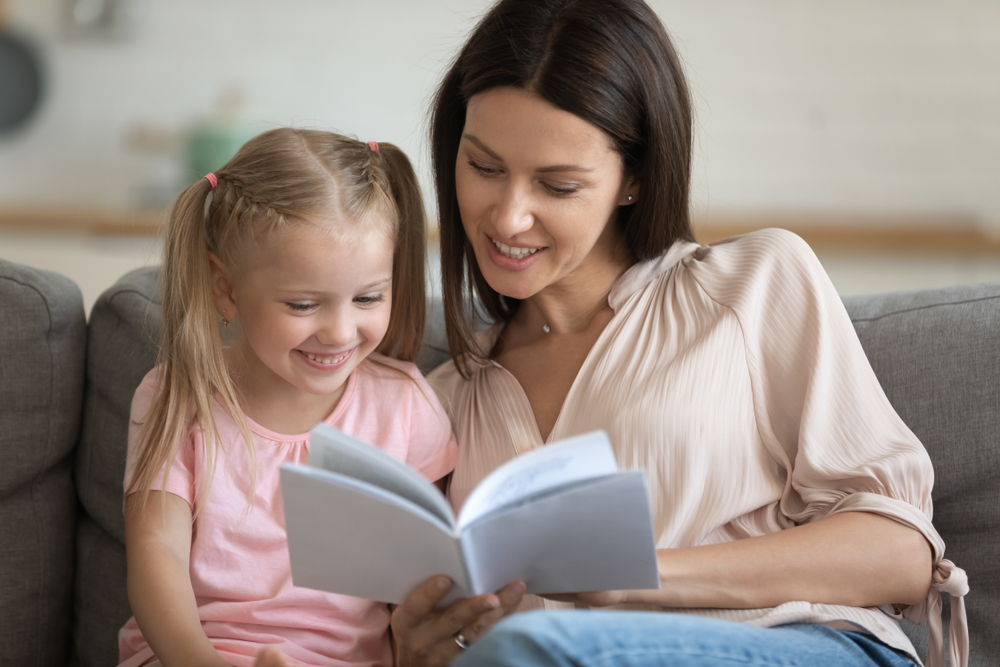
column 820, row 410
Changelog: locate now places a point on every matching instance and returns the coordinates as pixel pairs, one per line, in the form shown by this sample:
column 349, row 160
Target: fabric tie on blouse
column 951, row 580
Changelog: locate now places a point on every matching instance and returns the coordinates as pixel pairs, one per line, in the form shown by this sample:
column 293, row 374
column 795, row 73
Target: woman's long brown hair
column 609, row 62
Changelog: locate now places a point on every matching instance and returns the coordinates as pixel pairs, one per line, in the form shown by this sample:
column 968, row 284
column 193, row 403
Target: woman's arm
column 158, row 547
column 857, row 559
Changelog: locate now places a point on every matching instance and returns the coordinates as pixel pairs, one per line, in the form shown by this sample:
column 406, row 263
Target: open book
column 562, row 518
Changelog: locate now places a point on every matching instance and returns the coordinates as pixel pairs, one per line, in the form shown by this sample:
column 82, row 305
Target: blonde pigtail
column 406, row 325
column 193, row 369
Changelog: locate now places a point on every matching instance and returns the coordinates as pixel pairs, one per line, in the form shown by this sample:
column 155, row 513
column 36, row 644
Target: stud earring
column 629, row 198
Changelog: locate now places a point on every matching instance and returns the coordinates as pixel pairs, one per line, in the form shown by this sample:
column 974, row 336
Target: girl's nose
column 337, row 329
column 512, row 214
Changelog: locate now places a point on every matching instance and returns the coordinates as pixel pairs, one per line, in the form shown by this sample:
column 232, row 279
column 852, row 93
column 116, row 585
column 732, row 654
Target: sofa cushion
column 42, row 343
column 124, row 330
column 937, row 355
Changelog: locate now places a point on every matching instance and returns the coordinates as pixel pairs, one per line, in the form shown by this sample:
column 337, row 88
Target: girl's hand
column 271, row 656
column 424, row 636
column 591, row 598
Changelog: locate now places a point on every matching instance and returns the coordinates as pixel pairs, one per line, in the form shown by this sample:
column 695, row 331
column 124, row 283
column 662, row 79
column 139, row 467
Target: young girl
column 310, row 251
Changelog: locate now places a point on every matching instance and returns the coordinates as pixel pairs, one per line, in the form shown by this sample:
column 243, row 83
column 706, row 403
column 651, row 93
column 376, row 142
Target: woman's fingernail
column 443, row 583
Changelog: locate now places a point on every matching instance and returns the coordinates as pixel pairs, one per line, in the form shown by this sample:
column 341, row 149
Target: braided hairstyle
column 277, row 180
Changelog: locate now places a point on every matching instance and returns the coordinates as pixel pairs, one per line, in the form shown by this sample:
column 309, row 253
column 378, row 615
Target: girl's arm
column 158, row 547
column 858, row 559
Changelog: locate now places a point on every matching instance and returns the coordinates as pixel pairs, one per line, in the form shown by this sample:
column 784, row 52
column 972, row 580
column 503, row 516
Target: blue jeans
column 644, row 639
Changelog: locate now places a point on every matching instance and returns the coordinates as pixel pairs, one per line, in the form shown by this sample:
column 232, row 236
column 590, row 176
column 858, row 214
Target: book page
column 544, row 468
column 338, row 452
column 594, row 535
column 349, row 537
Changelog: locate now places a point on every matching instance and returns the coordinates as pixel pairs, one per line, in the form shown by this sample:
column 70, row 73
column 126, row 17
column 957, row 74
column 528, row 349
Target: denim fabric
column 637, row 639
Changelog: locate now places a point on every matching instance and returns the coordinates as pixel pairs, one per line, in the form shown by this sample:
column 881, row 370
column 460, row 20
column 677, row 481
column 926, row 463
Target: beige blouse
column 733, row 376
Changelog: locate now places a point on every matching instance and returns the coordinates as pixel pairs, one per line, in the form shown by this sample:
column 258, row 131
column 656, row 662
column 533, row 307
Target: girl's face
column 312, row 308
column 537, row 188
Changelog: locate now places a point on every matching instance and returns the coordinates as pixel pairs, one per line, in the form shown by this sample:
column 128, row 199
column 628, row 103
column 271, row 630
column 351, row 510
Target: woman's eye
column 300, row 307
column 369, row 299
column 482, row 169
column 561, row 190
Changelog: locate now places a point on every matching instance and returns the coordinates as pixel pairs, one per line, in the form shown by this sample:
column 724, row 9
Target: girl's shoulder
column 379, row 367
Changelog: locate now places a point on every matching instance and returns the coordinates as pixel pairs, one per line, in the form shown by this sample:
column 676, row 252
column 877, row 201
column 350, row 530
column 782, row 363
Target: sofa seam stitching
column 924, row 307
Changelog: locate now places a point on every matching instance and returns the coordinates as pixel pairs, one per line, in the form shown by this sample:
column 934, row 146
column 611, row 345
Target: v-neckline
column 522, row 396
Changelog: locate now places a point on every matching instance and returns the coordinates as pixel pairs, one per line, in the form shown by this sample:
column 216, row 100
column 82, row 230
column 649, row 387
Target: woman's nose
column 512, row 214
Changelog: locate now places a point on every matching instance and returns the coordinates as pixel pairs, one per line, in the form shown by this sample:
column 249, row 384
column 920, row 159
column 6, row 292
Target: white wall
column 802, row 105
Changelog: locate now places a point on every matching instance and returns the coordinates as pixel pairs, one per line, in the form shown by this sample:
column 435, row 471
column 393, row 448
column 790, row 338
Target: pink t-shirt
column 239, row 555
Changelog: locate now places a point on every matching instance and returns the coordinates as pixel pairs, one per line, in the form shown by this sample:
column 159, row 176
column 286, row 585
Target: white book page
column 594, row 535
column 348, row 537
column 547, row 467
column 336, row 451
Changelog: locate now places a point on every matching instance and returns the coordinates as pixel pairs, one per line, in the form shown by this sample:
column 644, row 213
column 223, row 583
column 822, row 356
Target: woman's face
column 538, row 188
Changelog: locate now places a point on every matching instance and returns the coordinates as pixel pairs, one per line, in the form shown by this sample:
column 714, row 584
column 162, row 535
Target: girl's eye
column 369, row 299
column 483, row 170
column 300, row 307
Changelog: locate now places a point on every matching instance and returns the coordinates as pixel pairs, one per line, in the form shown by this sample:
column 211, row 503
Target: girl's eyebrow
column 541, row 170
column 363, row 288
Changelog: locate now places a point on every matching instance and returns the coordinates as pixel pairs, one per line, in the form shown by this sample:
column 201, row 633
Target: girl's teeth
column 326, row 360
column 513, row 253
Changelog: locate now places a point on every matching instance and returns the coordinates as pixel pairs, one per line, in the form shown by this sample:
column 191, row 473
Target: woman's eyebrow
column 541, row 170
column 481, row 146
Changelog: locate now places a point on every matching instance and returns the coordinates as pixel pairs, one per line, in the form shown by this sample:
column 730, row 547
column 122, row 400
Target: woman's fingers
column 509, row 597
column 590, row 598
column 425, row 635
column 422, row 600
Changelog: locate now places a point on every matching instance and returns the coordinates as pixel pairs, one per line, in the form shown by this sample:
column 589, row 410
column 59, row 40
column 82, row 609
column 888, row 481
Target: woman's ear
column 223, row 293
column 629, row 192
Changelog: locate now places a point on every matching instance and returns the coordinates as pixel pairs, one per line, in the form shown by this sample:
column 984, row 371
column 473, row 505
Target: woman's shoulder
column 764, row 248
column 749, row 267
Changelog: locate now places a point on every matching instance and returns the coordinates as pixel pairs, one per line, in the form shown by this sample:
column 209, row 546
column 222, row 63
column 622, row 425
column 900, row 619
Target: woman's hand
column 591, row 598
column 424, row 636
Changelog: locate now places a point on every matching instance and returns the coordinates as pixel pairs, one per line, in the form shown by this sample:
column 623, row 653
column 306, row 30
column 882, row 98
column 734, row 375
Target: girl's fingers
column 271, row 656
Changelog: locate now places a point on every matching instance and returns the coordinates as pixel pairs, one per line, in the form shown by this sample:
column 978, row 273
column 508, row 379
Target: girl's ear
column 222, row 288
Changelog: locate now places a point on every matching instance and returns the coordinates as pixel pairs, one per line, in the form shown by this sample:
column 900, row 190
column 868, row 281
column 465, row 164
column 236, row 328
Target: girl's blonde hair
column 277, row 180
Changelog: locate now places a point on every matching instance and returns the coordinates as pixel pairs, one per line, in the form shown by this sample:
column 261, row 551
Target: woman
column 791, row 505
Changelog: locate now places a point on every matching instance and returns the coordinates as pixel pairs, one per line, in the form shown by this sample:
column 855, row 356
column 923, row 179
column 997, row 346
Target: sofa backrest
column 43, row 333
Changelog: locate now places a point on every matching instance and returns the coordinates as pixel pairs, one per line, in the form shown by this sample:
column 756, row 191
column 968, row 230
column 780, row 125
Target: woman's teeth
column 327, row 360
column 513, row 253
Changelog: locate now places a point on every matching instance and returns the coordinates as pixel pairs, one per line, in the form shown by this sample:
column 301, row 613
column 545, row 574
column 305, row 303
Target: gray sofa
column 66, row 386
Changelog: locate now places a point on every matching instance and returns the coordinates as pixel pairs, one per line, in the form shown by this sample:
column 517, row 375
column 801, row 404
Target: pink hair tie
column 373, row 145
column 213, row 180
